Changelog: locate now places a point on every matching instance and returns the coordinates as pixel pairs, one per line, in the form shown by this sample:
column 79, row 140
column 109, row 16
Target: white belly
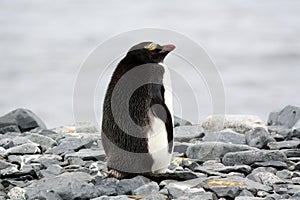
column 158, row 136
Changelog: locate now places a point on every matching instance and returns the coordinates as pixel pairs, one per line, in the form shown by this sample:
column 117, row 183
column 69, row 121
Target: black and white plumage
column 137, row 125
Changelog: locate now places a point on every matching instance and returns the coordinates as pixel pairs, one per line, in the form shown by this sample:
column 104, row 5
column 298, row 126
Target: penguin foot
column 116, row 174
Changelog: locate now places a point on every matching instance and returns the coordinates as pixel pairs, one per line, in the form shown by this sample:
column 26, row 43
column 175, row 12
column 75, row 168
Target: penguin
column 137, row 120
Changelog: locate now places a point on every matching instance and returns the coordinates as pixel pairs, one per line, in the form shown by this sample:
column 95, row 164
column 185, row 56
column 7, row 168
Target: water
column 255, row 45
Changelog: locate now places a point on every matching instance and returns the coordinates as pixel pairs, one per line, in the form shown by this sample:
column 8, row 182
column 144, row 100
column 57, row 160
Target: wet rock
column 28, row 148
column 252, row 156
column 287, row 117
column 127, row 186
column 181, row 122
column 226, row 136
column 87, row 154
column 212, row 150
column 238, row 123
column 67, row 186
column 23, row 118
column 187, row 133
column 16, row 193
column 258, row 137
column 149, row 188
column 290, row 144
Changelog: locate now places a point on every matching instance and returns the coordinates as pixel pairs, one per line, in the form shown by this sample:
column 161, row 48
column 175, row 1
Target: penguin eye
column 150, row 46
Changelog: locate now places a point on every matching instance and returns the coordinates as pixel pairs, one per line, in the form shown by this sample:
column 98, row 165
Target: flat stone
column 87, row 154
column 232, row 185
column 268, row 178
column 238, row 123
column 69, row 145
column 212, row 150
column 28, row 148
column 23, row 118
column 181, row 122
column 252, row 156
column 120, row 197
column 73, row 185
column 249, row 198
column 44, row 141
column 147, row 189
column 4, row 164
column 154, row 197
column 291, row 152
column 177, row 175
column 178, row 190
column 127, row 186
column 236, row 168
column 287, row 117
column 227, row 136
column 187, row 133
column 258, row 137
column 290, row 144
column 271, row 163
column 284, row 174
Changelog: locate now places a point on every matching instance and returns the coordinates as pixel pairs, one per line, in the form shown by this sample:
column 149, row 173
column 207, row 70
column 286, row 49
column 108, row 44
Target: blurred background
column 254, row 44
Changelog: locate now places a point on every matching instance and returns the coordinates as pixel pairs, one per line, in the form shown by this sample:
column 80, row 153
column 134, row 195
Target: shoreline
column 228, row 157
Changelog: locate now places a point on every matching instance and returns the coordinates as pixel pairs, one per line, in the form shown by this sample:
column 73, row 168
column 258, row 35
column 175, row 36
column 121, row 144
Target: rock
column 268, row 178
column 120, row 197
column 67, row 186
column 9, row 128
column 272, row 163
column 213, row 150
column 127, row 186
column 178, row 190
column 197, row 196
column 181, row 122
column 258, row 137
column 155, row 197
column 87, row 154
column 181, row 147
column 147, row 189
column 79, row 127
column 187, row 133
column 107, row 186
column 227, row 136
column 237, row 168
column 238, row 123
column 4, row 164
column 246, row 193
column 231, row 186
column 28, row 148
column 284, row 174
column 23, row 118
column 290, row 144
column 291, row 152
column 252, row 156
column 249, row 198
column 282, row 131
column 70, row 144
column 177, row 175
column 16, row 193
column 287, row 117
column 44, row 141
column 6, row 143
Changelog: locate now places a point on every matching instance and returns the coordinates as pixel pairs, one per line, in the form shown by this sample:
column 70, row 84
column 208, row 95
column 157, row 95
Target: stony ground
column 231, row 157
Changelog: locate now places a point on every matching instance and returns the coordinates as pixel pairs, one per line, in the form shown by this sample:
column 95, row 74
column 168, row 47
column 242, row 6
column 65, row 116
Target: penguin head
column 148, row 52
